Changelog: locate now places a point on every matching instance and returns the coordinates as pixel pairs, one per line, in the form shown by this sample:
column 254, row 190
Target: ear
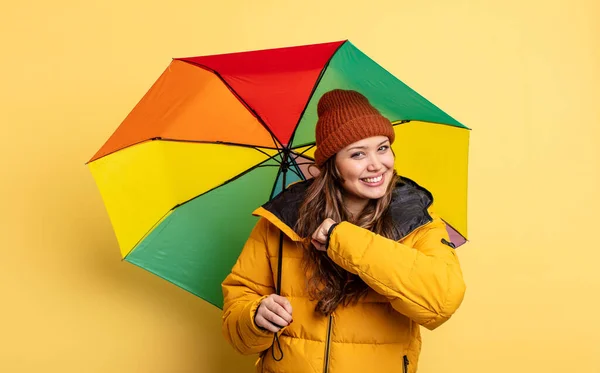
column 310, row 170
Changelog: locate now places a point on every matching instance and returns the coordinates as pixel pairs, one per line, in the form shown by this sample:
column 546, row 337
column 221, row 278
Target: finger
column 282, row 312
column 283, row 302
column 317, row 244
column 283, row 309
column 275, row 319
column 269, row 316
column 265, row 324
column 319, row 232
column 321, row 238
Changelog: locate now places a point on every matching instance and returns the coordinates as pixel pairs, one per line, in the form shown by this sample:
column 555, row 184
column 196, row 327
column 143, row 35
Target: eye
column 357, row 155
column 384, row 148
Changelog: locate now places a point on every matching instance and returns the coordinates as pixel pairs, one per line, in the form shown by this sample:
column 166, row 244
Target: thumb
column 325, row 228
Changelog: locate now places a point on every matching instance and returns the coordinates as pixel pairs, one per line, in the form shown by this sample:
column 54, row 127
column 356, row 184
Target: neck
column 355, row 205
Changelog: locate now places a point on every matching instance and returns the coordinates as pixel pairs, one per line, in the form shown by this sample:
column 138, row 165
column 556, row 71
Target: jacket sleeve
column 423, row 282
column 249, row 282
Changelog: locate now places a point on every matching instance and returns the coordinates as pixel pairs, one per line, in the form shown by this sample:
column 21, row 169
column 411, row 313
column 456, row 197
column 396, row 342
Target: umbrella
column 217, row 136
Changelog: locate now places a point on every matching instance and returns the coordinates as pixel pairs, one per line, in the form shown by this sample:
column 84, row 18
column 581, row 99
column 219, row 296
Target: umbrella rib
column 293, row 169
column 275, row 140
column 147, row 233
column 289, row 166
column 265, row 153
column 268, row 165
column 297, row 170
column 305, row 150
column 237, row 96
column 300, row 155
column 227, row 144
column 293, row 163
column 399, row 122
column 310, row 145
column 217, row 143
column 321, row 74
column 275, row 184
column 189, row 141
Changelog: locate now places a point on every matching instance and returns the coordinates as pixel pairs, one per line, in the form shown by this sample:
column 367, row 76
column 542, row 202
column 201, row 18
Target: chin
column 378, row 195
column 373, row 194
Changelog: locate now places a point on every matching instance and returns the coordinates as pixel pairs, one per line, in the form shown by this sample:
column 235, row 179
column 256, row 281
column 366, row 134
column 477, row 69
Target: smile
column 373, row 180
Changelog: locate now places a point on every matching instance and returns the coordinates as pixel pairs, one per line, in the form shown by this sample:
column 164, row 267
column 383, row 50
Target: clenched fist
column 319, row 238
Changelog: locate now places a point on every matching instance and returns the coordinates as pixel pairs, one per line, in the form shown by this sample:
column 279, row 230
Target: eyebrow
column 364, row 147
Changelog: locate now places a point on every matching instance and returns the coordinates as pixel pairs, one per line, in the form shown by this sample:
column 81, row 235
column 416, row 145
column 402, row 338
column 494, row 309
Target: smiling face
column 366, row 168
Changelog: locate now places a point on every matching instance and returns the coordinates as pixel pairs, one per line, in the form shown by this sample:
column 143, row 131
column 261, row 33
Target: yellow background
column 525, row 75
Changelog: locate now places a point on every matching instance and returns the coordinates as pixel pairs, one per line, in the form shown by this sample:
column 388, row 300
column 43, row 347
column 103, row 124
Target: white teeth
column 373, row 179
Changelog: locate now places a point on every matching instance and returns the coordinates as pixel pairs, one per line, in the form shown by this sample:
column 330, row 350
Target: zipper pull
column 406, row 362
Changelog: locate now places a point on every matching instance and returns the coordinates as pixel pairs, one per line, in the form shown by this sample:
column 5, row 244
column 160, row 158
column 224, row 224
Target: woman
column 364, row 259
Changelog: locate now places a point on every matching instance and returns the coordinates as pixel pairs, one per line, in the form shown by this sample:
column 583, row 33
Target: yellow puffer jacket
column 415, row 280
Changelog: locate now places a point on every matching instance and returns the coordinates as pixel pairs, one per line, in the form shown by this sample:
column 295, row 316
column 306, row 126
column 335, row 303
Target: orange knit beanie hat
column 346, row 117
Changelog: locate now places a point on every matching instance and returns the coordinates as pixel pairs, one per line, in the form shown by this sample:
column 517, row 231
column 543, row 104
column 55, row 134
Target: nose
column 374, row 163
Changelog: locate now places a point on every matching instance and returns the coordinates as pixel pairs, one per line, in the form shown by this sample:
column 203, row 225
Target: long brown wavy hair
column 328, row 283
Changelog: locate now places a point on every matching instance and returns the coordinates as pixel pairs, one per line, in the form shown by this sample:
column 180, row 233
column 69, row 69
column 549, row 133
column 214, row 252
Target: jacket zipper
column 406, row 362
column 326, row 367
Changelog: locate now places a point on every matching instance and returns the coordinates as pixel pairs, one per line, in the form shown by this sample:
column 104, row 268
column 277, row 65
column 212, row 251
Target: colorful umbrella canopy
column 208, row 144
